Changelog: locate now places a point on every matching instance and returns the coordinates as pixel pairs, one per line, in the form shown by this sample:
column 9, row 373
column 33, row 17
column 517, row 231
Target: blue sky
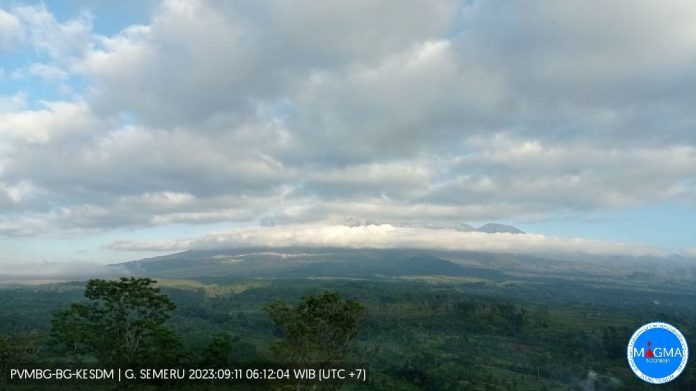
column 137, row 128
column 667, row 225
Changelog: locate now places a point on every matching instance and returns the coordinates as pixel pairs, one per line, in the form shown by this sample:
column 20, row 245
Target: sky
column 138, row 128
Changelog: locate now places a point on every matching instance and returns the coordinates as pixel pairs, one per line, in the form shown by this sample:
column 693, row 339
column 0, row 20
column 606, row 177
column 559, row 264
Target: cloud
column 23, row 225
column 388, row 236
column 253, row 52
column 100, row 167
column 12, row 103
column 57, row 271
column 60, row 41
column 413, row 101
column 561, row 176
column 155, row 245
column 16, row 192
column 47, row 72
column 53, row 120
column 392, row 179
column 156, row 209
column 416, row 113
column 10, row 30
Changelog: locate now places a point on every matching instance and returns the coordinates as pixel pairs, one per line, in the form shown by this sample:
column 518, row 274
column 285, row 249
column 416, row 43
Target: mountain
column 463, row 227
column 490, row 269
column 492, row 228
column 302, row 263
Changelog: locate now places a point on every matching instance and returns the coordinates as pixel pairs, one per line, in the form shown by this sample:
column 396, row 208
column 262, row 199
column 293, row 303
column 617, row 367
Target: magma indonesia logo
column 657, row 352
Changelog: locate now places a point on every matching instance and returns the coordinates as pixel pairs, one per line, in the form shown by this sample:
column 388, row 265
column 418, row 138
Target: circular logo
column 657, row 353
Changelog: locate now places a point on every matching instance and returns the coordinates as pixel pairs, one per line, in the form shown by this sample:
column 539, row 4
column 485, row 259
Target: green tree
column 318, row 329
column 14, row 353
column 218, row 352
column 122, row 324
column 614, row 341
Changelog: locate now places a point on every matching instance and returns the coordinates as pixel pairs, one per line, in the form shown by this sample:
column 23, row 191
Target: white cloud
column 47, row 72
column 10, row 29
column 411, row 102
column 23, row 225
column 389, row 236
column 392, row 179
column 253, row 52
column 54, row 120
column 60, row 41
column 153, row 245
column 136, row 160
column 17, row 192
column 12, row 103
column 557, row 175
column 156, row 209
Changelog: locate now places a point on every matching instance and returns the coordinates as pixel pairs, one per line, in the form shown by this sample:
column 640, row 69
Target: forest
column 481, row 331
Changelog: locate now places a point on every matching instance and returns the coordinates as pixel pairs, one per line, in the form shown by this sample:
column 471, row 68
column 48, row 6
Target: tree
column 122, row 324
column 14, row 353
column 218, row 352
column 614, row 341
column 317, row 330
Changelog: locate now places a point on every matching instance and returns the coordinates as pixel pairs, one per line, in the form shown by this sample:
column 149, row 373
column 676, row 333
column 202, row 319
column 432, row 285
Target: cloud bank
column 30, row 273
column 389, row 236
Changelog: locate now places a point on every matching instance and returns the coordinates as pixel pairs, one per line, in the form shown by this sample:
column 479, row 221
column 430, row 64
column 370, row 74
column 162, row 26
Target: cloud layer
column 416, row 113
column 388, row 236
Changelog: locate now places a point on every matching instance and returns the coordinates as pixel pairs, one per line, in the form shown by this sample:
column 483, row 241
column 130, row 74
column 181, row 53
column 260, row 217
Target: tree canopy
column 123, row 323
column 318, row 329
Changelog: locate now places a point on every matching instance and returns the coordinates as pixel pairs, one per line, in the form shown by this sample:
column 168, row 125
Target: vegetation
column 317, row 330
column 422, row 332
column 122, row 325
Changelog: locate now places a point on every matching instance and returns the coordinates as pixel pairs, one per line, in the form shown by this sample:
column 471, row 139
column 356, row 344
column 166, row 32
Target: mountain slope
column 492, row 228
column 302, row 263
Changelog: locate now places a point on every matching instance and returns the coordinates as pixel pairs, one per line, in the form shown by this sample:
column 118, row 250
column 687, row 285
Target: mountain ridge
column 493, row 228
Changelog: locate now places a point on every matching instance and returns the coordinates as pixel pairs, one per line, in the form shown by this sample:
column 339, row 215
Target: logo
column 657, row 353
